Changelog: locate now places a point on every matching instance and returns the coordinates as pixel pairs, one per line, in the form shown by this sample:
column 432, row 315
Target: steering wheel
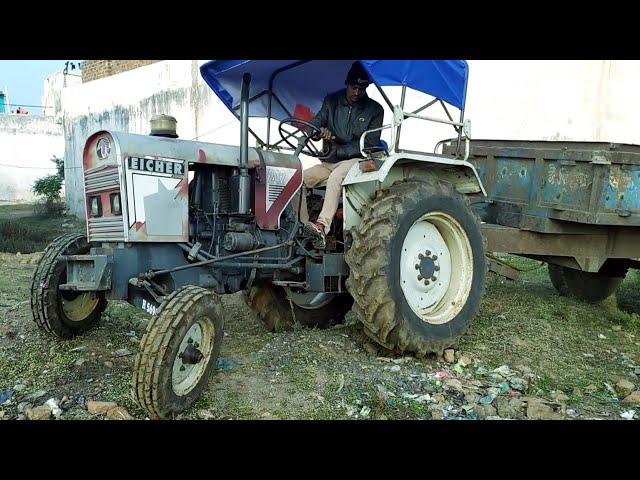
column 308, row 148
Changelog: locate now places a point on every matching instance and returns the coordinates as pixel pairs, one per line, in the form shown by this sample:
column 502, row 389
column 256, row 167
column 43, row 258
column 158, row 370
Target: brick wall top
column 95, row 69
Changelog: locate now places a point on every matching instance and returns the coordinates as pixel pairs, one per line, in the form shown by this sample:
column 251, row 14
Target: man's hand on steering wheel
column 308, row 133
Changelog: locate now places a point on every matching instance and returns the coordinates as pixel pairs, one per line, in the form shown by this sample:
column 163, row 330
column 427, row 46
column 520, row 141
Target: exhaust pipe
column 244, row 186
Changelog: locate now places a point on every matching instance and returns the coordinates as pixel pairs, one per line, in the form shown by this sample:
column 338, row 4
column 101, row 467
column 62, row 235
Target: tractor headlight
column 96, row 207
column 116, row 208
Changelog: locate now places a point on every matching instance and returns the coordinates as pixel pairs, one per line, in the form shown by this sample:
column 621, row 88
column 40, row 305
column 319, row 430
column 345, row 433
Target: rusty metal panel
column 539, row 185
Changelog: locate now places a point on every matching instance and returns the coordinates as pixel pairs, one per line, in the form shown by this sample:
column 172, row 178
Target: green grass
column 33, row 234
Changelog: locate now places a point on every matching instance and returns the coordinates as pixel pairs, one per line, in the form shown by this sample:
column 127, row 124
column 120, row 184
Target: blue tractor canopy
column 282, row 89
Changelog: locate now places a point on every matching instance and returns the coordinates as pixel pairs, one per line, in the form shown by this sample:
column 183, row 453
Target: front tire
column 178, row 352
column 417, row 267
column 62, row 313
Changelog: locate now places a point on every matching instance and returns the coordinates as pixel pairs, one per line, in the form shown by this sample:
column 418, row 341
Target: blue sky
column 24, row 80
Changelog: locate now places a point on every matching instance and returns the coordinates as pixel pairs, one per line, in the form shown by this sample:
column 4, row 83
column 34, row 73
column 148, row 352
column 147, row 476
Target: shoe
column 315, row 230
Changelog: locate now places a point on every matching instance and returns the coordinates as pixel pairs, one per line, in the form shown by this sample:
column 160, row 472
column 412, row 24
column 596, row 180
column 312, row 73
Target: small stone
column 370, row 348
column 518, row 383
column 616, row 328
column 472, row 398
column 122, row 352
column 42, row 412
column 108, row 364
column 577, row 393
column 395, row 368
column 487, row 399
column 538, row 409
column 453, row 384
column 591, row 389
column 601, row 336
column 624, row 388
column 19, row 387
column 484, row 411
column 436, row 412
column 439, row 398
column 52, row 403
column 465, row 360
column 560, row 396
column 99, row 408
column 633, row 397
column 79, row 362
column 118, row 413
column 449, row 355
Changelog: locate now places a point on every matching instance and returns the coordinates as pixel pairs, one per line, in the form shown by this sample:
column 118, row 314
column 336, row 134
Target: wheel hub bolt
column 434, row 278
column 428, row 252
column 420, row 256
column 417, row 266
column 435, row 257
column 437, row 269
column 419, row 277
column 426, row 282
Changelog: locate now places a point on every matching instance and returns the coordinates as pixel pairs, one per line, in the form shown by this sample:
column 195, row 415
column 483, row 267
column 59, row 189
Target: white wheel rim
column 439, row 288
column 185, row 376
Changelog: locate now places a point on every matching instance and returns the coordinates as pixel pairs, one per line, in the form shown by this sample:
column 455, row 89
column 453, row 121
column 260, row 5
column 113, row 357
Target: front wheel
column 178, row 352
column 63, row 313
column 417, row 267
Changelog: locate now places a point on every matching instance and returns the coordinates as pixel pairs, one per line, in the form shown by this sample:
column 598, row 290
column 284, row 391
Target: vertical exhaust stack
column 244, row 186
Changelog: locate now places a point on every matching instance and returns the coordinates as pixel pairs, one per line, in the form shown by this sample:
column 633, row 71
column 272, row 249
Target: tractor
column 172, row 225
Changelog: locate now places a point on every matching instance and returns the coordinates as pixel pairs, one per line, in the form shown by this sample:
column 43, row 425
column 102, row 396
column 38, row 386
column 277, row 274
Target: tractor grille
column 104, row 178
column 109, row 229
column 101, row 179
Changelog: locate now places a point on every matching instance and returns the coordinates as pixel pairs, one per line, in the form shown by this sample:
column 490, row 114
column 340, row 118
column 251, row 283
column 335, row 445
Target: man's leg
column 310, row 178
column 334, row 189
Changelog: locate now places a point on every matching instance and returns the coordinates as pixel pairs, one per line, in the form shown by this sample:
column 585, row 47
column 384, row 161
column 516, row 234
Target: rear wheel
column 63, row 313
column 417, row 267
column 592, row 287
column 178, row 352
column 314, row 310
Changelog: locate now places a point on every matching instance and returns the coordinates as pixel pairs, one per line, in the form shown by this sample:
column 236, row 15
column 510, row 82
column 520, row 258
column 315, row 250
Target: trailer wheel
column 313, row 310
column 417, row 267
column 63, row 314
column 178, row 352
column 592, row 287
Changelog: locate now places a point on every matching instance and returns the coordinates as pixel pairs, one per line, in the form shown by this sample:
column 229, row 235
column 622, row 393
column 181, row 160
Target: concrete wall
column 27, row 143
column 52, row 93
column 549, row 100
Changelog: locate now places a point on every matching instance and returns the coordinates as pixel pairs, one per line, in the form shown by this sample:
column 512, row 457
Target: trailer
column 574, row 205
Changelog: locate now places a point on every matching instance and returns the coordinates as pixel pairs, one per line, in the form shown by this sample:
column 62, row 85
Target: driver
column 344, row 116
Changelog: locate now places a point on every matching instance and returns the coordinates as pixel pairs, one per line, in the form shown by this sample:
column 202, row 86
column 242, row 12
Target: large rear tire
column 178, row 352
column 271, row 305
column 417, row 267
column 592, row 287
column 63, row 314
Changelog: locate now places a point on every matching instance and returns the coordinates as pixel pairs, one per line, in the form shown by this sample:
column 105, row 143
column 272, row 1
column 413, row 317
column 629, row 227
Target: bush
column 49, row 188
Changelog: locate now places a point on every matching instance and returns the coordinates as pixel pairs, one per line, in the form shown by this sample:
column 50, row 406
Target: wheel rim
column 78, row 307
column 193, row 357
column 436, row 268
column 309, row 300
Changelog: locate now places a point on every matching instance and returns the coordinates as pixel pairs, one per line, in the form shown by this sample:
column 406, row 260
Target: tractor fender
column 359, row 188
column 412, row 164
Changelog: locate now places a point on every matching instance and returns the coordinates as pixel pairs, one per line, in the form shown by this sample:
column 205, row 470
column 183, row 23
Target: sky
column 24, row 80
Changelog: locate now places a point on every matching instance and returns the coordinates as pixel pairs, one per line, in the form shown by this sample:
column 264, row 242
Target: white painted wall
column 27, row 144
column 549, row 100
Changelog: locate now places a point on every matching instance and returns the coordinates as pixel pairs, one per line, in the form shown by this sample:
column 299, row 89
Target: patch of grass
column 19, row 207
column 33, row 234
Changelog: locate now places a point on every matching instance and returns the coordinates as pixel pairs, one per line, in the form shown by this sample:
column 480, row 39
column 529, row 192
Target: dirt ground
column 529, row 354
